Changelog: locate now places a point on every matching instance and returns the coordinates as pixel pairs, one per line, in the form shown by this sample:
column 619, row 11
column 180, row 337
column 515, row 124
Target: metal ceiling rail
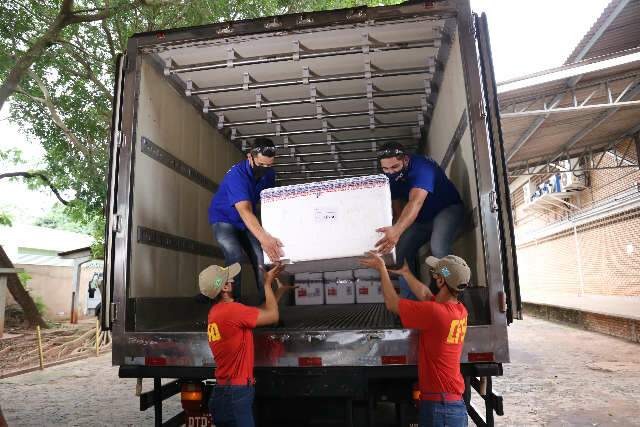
column 570, row 83
column 304, row 80
column 315, row 178
column 345, row 141
column 330, row 153
column 312, row 100
column 322, row 162
column 604, row 106
column 296, row 55
column 318, row 116
column 236, row 136
column 309, row 171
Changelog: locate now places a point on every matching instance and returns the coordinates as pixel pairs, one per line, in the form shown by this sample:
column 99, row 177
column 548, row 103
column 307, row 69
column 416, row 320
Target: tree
column 57, row 61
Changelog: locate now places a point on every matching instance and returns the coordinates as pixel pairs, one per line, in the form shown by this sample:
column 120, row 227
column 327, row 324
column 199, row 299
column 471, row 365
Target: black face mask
column 259, row 171
column 397, row 176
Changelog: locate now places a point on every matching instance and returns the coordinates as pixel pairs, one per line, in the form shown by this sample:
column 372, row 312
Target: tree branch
column 57, row 119
column 40, row 175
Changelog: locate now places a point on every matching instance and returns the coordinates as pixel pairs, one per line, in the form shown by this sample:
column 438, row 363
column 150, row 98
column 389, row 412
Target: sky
column 526, row 36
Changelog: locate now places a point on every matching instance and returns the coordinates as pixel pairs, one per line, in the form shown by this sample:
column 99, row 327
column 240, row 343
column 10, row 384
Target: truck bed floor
column 338, row 317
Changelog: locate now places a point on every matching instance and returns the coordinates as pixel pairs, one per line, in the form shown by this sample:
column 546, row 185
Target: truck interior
column 328, row 96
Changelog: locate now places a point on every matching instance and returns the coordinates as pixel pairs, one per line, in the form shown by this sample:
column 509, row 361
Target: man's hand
column 284, row 288
column 272, row 246
column 402, row 271
column 374, row 260
column 389, row 241
column 273, row 274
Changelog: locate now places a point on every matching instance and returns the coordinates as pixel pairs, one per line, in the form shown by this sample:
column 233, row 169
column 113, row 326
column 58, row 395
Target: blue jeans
column 440, row 233
column 443, row 413
column 235, row 243
column 232, row 406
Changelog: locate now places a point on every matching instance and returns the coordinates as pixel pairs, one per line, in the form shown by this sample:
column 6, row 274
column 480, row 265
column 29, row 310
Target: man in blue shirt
column 426, row 208
column 232, row 212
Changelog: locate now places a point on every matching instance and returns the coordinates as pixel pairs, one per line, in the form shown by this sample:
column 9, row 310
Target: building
column 571, row 140
column 35, row 249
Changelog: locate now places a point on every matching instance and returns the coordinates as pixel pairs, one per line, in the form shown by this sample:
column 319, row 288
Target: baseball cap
column 212, row 278
column 453, row 269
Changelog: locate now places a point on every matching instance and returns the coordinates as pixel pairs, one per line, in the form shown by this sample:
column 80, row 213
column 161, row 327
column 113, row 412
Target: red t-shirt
column 442, row 329
column 231, row 341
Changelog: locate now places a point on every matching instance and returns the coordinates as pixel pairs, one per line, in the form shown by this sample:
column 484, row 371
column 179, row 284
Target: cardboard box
column 309, row 277
column 340, row 292
column 332, row 276
column 366, row 274
column 327, row 225
column 309, row 293
column 369, row 291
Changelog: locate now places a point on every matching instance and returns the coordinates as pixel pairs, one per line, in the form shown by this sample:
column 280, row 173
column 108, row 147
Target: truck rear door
column 112, row 220
column 501, row 201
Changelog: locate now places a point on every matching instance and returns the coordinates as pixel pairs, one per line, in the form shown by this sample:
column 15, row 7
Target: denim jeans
column 232, row 405
column 440, row 233
column 443, row 413
column 235, row 243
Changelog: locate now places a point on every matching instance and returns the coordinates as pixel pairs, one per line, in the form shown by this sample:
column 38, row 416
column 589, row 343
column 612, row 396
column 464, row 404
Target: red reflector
column 363, row 291
column 155, row 361
column 309, row 361
column 302, row 292
column 481, row 357
column 394, row 360
column 332, row 292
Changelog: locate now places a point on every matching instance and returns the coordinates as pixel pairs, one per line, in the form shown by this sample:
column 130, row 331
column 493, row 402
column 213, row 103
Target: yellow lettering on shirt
column 457, row 331
column 213, row 333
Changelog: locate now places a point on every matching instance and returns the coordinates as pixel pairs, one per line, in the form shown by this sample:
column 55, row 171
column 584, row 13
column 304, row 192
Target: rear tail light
column 191, row 397
column 394, row 360
column 481, row 357
column 502, row 302
column 415, row 394
column 304, row 362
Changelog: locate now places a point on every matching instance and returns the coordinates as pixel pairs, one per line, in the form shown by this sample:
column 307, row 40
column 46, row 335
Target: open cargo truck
column 329, row 87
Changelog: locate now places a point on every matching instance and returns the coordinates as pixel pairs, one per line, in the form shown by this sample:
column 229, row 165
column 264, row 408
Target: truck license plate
column 199, row 421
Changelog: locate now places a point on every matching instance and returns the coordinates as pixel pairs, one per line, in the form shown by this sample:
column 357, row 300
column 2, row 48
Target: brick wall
column 601, row 257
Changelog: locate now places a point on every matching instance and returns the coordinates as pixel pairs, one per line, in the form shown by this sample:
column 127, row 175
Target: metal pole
column 318, row 99
column 579, row 260
column 40, row 354
column 345, row 141
column 310, row 80
column 351, row 50
column 327, row 130
column 323, row 116
column 3, row 300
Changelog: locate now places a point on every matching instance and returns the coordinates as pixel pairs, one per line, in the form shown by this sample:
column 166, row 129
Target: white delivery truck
column 329, row 87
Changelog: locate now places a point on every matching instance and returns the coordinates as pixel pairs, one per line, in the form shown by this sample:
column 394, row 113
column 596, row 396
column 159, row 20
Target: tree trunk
column 21, row 295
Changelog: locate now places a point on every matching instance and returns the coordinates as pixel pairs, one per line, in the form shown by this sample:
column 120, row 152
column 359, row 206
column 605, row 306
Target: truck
column 329, row 88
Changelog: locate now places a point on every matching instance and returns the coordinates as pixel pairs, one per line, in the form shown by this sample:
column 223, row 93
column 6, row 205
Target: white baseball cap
column 212, row 278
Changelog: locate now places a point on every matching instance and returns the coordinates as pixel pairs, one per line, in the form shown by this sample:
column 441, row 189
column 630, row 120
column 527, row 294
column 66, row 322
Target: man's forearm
column 419, row 289
column 252, row 223
column 408, row 215
column 270, row 301
column 389, row 294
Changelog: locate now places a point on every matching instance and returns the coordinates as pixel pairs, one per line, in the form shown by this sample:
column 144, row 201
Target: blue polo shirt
column 425, row 173
column 237, row 185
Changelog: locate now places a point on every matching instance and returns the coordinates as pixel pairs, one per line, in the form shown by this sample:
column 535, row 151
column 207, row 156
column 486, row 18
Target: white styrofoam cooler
column 340, row 292
column 366, row 274
column 327, row 225
column 309, row 277
column 368, row 291
column 309, row 293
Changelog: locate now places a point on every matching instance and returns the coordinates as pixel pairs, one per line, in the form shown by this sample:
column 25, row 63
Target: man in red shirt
column 230, row 336
column 442, row 322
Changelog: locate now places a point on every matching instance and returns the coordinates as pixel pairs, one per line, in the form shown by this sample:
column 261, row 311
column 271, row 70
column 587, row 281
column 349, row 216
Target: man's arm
column 270, row 244
column 391, row 298
column 419, row 289
column 268, row 312
column 409, row 214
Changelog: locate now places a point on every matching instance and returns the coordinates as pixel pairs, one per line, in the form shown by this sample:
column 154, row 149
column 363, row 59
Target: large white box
column 309, row 277
column 309, row 293
column 327, row 225
column 340, row 292
column 369, row 291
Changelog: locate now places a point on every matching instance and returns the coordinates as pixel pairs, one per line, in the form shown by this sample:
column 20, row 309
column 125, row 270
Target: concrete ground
column 560, row 376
